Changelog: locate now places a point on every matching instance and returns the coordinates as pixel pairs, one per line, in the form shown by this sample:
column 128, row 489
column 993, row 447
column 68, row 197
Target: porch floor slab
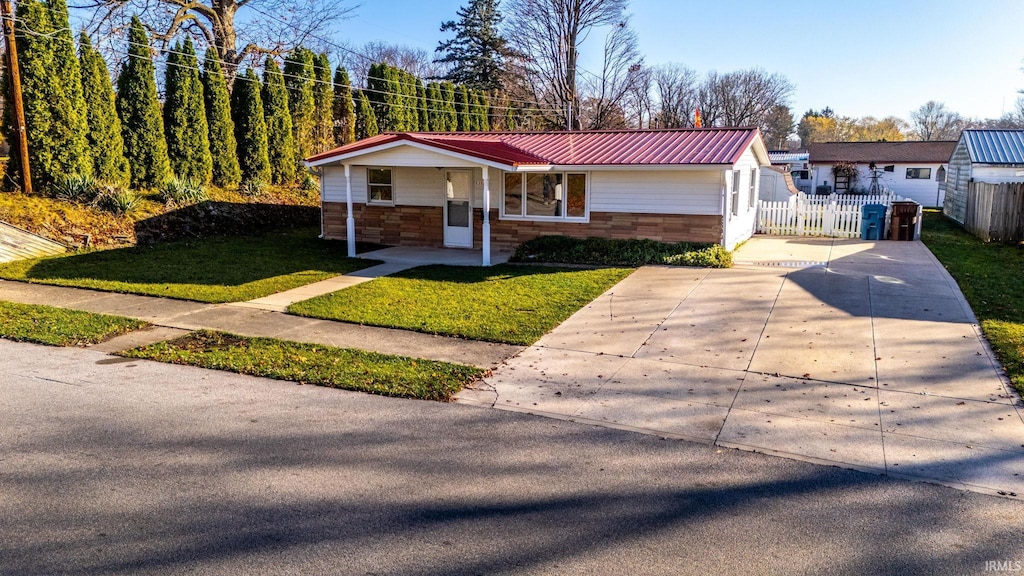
column 832, row 358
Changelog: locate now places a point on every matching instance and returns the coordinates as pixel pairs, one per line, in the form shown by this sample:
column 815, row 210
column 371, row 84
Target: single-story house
column 992, row 156
column 797, row 164
column 913, row 170
column 482, row 189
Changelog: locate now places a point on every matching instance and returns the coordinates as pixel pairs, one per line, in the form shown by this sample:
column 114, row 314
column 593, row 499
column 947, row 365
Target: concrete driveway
column 859, row 354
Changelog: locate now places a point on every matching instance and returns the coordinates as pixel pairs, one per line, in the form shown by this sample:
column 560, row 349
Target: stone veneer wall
column 422, row 226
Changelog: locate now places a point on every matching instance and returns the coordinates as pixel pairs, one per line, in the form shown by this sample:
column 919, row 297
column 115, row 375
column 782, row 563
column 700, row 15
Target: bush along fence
column 995, row 212
column 834, row 215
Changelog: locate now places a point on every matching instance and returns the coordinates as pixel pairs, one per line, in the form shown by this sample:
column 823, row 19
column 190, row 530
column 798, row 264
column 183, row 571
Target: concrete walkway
column 857, row 354
column 180, row 315
column 394, row 259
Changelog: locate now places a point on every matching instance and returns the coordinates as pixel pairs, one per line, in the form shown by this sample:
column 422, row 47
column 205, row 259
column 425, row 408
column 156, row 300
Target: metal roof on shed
column 995, row 146
column 701, row 146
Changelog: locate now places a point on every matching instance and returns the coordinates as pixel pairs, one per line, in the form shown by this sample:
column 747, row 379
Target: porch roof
column 695, row 146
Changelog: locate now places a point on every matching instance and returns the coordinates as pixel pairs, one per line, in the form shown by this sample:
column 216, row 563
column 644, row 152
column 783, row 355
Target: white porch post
column 486, row 227
column 350, row 221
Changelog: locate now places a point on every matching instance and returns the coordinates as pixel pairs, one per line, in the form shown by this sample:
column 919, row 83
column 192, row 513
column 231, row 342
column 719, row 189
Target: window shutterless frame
column 380, row 185
column 545, row 196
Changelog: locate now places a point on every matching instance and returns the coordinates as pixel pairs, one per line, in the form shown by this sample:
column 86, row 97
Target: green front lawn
column 990, row 276
column 313, row 364
column 512, row 304
column 60, row 327
column 221, row 269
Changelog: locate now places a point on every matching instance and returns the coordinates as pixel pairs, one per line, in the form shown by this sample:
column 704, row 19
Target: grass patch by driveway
column 224, row 269
column 313, row 364
column 60, row 327
column 510, row 304
column 608, row 252
column 990, row 276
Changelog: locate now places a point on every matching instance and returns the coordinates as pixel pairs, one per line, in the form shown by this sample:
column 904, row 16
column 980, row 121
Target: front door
column 458, row 209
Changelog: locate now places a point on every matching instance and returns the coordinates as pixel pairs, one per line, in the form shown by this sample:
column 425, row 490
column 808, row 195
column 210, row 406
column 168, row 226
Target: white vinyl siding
column 657, row 192
column 412, row 156
column 740, row 226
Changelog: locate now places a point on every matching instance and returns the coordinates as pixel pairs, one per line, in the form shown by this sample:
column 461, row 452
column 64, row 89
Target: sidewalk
column 181, row 315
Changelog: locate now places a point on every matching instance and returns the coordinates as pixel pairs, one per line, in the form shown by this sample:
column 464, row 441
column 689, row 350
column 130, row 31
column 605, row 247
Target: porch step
column 18, row 244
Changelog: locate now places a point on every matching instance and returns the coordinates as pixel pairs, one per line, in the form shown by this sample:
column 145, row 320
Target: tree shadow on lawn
column 224, row 261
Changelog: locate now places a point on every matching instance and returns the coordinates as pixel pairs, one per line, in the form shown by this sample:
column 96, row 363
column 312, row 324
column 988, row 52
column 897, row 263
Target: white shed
column 992, row 156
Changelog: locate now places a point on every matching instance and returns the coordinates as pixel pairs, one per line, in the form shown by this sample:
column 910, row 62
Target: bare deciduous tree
column 675, row 89
column 742, row 98
column 933, row 121
column 550, row 33
column 622, row 66
column 270, row 26
column 415, row 61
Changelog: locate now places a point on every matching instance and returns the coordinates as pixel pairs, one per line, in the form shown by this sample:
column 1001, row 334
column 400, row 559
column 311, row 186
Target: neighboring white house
column 476, row 189
column 913, row 170
column 992, row 156
column 797, row 164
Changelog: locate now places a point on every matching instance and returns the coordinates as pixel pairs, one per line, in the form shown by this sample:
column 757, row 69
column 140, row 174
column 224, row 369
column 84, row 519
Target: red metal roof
column 586, row 148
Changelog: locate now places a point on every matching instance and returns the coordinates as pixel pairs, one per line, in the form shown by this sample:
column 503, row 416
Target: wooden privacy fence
column 995, row 212
column 834, row 216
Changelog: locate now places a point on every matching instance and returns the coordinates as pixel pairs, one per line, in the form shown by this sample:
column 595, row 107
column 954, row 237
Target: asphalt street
column 114, row 466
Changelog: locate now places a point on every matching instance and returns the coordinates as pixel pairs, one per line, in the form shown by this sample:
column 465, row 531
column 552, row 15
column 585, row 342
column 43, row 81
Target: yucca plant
column 117, row 200
column 183, row 191
column 253, row 188
column 76, row 188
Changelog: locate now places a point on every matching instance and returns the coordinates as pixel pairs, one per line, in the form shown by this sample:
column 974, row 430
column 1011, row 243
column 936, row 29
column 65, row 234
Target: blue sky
column 861, row 57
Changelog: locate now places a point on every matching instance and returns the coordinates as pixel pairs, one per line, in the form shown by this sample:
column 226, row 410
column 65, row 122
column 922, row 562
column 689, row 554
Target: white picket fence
column 834, row 216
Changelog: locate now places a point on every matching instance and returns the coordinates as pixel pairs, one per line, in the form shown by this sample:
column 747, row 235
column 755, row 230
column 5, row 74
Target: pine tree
column 188, row 135
column 70, row 125
column 323, row 105
column 483, row 103
column 223, row 147
column 464, row 121
column 344, row 109
column 394, row 102
column 366, row 118
column 105, row 142
column 376, row 90
column 281, row 147
column 449, row 114
column 250, row 128
column 299, row 80
column 142, row 125
column 478, row 52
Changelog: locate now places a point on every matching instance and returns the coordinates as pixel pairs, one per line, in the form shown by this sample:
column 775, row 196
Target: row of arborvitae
column 256, row 133
column 77, row 126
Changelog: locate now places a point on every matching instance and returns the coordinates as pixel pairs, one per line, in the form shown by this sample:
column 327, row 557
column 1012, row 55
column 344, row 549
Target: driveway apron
column 857, row 354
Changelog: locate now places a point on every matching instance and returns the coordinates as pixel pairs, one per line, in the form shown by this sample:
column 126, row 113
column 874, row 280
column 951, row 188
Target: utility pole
column 14, row 76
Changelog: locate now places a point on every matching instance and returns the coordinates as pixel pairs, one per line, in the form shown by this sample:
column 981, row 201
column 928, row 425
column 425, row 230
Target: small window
column 576, row 197
column 735, row 196
column 890, row 168
column 919, row 173
column 513, row 194
column 753, row 187
column 802, row 175
column 381, row 190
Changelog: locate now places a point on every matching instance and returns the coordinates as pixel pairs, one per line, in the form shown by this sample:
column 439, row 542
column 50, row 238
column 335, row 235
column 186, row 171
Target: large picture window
column 380, row 187
column 557, row 195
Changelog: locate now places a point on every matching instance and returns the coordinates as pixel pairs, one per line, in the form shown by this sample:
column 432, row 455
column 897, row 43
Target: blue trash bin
column 872, row 222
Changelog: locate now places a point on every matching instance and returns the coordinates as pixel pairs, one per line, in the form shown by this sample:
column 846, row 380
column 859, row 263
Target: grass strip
column 506, row 303
column 59, row 327
column 345, row 368
column 222, row 269
column 990, row 276
column 633, row 252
